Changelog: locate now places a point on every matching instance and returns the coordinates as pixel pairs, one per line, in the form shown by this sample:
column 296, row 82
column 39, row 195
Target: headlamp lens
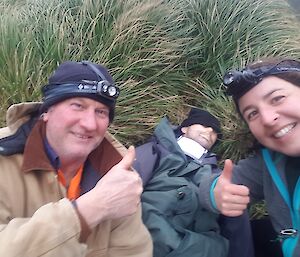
column 105, row 89
column 112, row 91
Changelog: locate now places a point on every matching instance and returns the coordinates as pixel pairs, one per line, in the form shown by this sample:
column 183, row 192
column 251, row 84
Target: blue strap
column 290, row 243
column 296, row 204
column 275, row 176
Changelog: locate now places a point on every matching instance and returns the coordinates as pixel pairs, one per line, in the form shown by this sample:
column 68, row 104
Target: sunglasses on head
column 237, row 83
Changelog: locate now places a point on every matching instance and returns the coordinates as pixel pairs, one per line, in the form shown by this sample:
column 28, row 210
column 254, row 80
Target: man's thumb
column 128, row 159
column 227, row 171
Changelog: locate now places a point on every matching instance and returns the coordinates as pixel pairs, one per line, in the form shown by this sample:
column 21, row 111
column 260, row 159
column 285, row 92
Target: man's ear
column 44, row 116
column 183, row 130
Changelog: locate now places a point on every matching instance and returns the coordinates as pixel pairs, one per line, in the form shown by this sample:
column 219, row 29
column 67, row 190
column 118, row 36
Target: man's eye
column 77, row 105
column 102, row 113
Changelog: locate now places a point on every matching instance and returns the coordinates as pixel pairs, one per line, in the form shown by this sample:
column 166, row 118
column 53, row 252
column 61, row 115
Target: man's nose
column 88, row 120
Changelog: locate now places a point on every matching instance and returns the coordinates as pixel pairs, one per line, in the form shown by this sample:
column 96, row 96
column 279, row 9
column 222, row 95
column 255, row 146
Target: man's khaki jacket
column 36, row 218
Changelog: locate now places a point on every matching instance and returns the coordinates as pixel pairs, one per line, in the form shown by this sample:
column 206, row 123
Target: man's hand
column 116, row 195
column 231, row 199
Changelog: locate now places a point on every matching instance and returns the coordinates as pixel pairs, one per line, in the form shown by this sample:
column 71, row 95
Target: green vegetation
column 166, row 55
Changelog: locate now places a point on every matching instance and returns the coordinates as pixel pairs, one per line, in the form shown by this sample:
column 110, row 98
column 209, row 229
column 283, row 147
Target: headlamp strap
column 92, row 67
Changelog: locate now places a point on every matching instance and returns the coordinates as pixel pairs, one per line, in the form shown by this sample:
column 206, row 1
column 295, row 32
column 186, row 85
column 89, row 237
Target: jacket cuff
column 211, row 193
column 85, row 229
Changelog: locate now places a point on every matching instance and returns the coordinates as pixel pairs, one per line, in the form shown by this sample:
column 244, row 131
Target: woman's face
column 272, row 112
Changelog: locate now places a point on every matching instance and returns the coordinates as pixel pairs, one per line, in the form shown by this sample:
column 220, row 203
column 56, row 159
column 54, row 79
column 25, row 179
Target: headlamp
column 238, row 83
column 103, row 88
column 97, row 88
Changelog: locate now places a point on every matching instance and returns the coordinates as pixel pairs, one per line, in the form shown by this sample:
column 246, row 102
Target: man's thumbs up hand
column 128, row 159
column 116, row 195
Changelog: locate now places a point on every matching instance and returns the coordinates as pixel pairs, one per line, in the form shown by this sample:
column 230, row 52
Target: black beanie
column 204, row 118
column 71, row 72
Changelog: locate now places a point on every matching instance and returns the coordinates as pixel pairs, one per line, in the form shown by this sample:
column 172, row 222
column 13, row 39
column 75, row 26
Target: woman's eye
column 251, row 115
column 277, row 99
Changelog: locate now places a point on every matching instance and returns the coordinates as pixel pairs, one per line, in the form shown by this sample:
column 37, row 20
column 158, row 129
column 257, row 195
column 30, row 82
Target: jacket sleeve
column 147, row 156
column 24, row 236
column 238, row 232
column 131, row 238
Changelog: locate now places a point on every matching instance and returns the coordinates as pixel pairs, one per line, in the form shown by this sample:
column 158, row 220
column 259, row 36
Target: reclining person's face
column 76, row 126
column 205, row 136
column 272, row 112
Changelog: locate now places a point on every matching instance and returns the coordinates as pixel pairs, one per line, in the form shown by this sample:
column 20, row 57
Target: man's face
column 205, row 136
column 272, row 112
column 75, row 127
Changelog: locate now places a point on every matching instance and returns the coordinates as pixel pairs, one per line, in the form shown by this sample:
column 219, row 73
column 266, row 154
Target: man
column 65, row 189
column 172, row 166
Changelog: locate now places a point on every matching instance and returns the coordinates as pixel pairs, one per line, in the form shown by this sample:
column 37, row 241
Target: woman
column 267, row 95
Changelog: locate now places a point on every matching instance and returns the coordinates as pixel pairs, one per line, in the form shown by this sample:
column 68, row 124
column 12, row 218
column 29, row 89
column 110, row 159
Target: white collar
column 191, row 147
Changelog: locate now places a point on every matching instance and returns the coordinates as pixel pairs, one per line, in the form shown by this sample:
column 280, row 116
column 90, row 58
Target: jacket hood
column 18, row 114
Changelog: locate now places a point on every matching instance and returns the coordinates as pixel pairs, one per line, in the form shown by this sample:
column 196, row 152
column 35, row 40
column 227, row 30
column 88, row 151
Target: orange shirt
column 73, row 191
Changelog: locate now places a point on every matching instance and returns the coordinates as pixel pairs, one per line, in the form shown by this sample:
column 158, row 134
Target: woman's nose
column 269, row 117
